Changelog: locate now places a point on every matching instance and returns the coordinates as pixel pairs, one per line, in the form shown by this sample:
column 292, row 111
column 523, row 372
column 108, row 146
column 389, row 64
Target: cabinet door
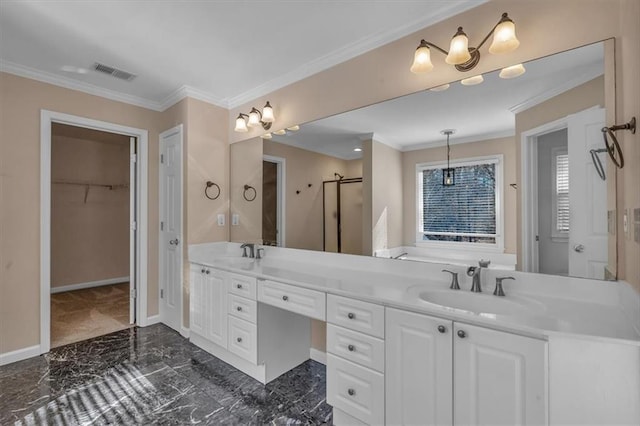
column 197, row 316
column 215, row 288
column 418, row 369
column 499, row 378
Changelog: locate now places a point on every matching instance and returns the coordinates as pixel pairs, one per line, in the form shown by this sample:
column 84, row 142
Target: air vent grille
column 113, row 72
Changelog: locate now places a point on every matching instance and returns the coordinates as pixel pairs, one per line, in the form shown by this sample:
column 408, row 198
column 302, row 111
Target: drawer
column 360, row 348
column 242, row 308
column 356, row 390
column 309, row 303
column 242, row 286
column 243, row 339
column 356, row 315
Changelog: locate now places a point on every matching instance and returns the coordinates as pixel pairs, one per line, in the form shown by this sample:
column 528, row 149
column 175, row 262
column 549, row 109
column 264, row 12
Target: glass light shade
column 459, row 49
column 440, row 88
column 504, row 38
column 294, row 128
column 357, row 149
column 422, row 60
column 472, row 81
column 254, row 118
column 512, row 71
column 267, row 136
column 280, row 132
column 267, row 114
column 241, row 125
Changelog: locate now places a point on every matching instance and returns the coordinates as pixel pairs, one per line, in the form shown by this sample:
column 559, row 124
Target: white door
column 418, row 370
column 588, row 239
column 133, row 230
column 171, row 241
column 499, row 378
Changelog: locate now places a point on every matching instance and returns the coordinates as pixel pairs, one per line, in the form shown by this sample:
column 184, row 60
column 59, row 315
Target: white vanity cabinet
column 442, row 372
column 208, row 304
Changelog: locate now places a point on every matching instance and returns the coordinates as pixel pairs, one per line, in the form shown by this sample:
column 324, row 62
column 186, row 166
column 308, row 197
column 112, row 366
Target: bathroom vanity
column 402, row 348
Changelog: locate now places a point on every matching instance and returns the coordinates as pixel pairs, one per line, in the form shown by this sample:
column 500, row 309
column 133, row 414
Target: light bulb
column 254, row 118
column 504, row 37
column 459, row 49
column 512, row 71
column 241, row 125
column 440, row 88
column 294, row 128
column 422, row 59
column 472, row 81
column 267, row 113
column 280, row 132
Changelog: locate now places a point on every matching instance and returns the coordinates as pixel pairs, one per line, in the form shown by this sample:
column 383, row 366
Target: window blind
column 562, row 193
column 463, row 212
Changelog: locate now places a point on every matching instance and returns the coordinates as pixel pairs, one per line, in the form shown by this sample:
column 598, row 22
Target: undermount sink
column 481, row 303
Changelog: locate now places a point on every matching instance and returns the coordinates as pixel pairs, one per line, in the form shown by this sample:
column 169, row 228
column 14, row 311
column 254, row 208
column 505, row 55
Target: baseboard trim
column 155, row 319
column 19, row 355
column 184, row 331
column 318, row 356
column 89, row 284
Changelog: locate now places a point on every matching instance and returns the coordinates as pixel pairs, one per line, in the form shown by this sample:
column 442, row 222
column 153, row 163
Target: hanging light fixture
column 255, row 118
column 448, row 174
column 463, row 57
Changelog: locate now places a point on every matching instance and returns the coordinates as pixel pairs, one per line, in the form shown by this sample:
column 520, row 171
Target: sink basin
column 480, row 303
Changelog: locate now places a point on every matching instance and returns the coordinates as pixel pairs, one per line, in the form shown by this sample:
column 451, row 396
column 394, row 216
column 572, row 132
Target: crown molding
column 68, row 83
column 191, row 92
column 475, row 138
column 588, row 75
column 350, row 51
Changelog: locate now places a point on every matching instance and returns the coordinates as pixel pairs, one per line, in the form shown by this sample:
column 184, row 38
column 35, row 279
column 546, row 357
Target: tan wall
column 386, row 196
column 21, row 100
column 85, row 232
column 577, row 99
column 246, row 158
column 304, row 210
column 504, row 146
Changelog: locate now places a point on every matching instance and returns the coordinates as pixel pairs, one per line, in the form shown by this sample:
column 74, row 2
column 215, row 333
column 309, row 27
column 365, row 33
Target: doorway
column 273, row 200
column 77, row 187
column 342, row 215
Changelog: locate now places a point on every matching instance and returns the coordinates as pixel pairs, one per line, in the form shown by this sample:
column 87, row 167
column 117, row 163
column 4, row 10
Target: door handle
column 579, row 248
column 174, row 242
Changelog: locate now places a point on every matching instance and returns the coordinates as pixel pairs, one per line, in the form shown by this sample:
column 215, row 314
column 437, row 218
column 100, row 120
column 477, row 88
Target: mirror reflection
column 510, row 170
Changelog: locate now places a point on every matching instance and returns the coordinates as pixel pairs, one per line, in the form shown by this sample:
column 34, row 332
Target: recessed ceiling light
column 440, row 88
column 472, row 81
column 357, row 149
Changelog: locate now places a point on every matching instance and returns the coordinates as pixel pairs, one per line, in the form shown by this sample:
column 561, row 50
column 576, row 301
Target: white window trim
column 498, row 247
column 556, row 235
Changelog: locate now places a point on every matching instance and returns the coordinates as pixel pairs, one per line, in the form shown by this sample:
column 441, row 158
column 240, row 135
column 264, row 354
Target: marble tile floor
column 153, row 375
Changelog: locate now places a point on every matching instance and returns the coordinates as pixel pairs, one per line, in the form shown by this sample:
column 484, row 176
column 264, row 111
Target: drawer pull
column 202, row 270
column 351, row 348
column 351, row 392
column 238, row 286
column 208, row 272
column 285, row 298
column 351, row 315
column 239, row 308
column 462, row 334
column 239, row 339
column 442, row 328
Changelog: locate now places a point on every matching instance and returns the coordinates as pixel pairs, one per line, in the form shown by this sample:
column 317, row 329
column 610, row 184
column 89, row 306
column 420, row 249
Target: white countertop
column 552, row 305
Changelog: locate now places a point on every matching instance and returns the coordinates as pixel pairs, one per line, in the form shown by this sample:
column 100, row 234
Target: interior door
column 171, row 240
column 133, row 230
column 588, row 252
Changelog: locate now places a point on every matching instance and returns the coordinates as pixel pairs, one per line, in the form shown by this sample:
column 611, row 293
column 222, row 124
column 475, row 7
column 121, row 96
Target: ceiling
column 480, row 112
column 224, row 52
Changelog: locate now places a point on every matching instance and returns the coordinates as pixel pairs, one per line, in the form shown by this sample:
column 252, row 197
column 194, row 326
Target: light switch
column 221, row 219
column 235, row 219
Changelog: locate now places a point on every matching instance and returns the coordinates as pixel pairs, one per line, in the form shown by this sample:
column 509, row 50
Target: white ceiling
column 225, row 52
column 478, row 112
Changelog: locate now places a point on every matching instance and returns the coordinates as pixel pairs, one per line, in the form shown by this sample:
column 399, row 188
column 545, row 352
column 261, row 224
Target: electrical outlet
column 221, row 219
column 235, row 219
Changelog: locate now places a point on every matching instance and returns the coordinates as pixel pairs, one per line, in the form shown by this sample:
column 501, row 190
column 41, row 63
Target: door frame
column 176, row 129
column 46, row 119
column 529, row 190
column 281, row 196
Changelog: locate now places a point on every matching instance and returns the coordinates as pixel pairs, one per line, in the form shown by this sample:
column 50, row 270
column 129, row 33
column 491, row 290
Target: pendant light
column 448, row 174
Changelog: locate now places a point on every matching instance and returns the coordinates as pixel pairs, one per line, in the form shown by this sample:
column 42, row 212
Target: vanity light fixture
column 463, row 57
column 448, row 174
column 267, row 136
column 512, row 71
column 472, row 81
column 280, row 132
column 255, row 118
column 440, row 88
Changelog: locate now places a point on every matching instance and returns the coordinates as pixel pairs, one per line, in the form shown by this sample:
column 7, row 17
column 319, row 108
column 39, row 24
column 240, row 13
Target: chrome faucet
column 474, row 272
column 251, row 248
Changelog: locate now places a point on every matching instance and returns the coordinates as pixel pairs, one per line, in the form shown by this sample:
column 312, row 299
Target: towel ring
column 248, row 188
column 614, row 147
column 206, row 190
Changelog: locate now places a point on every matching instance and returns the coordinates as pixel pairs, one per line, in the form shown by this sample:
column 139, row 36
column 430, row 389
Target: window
column 560, row 218
column 467, row 213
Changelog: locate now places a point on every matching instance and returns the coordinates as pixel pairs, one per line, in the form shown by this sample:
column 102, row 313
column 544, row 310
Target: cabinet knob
column 351, row 392
column 462, row 334
column 239, row 339
column 238, row 285
column 351, row 348
column 202, row 270
column 239, row 308
column 208, row 272
column 442, row 329
column 285, row 298
column 351, row 315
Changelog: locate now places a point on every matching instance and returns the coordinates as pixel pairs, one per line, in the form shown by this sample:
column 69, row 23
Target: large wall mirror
column 510, row 169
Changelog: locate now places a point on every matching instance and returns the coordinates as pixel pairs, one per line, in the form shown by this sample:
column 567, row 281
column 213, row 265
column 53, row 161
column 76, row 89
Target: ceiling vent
column 113, row 72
